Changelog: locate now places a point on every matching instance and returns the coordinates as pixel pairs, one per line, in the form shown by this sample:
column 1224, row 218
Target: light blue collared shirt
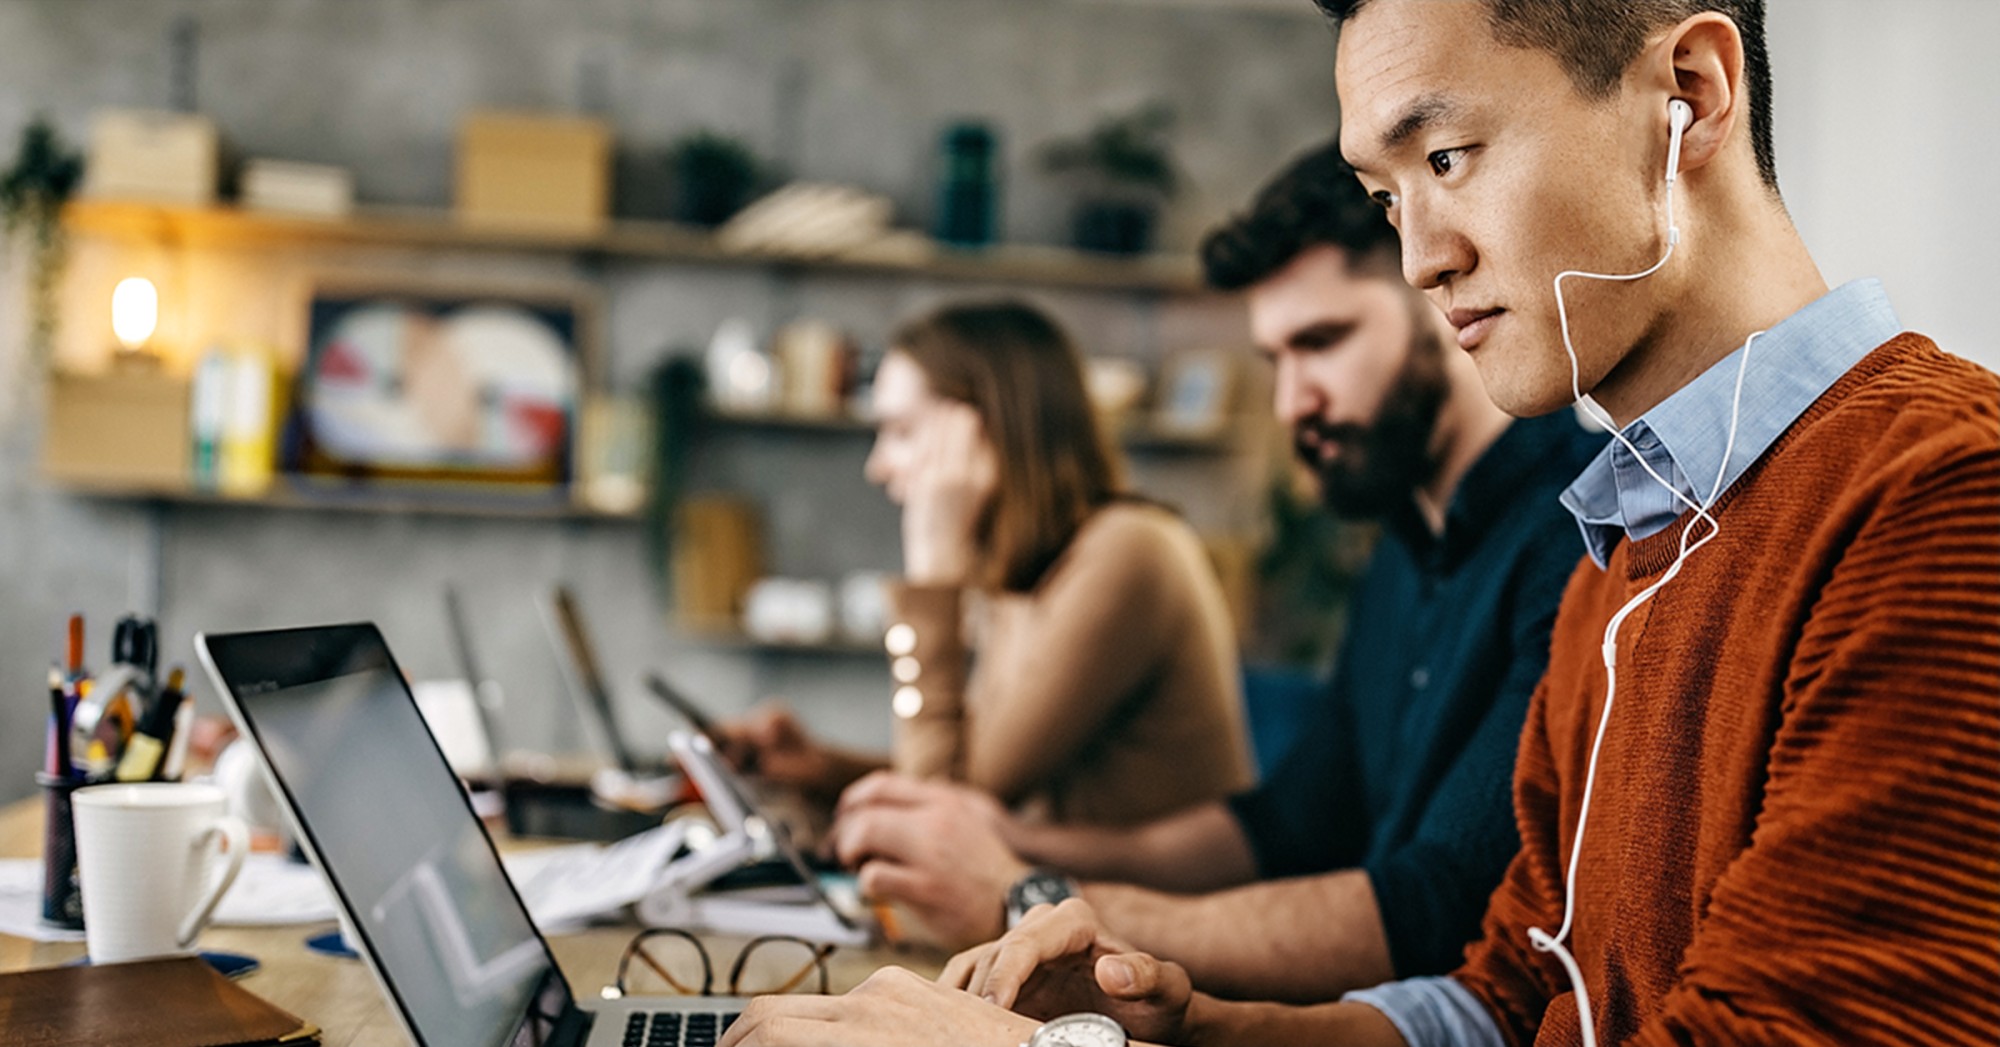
column 1683, row 438
column 1432, row 1012
column 1790, row 366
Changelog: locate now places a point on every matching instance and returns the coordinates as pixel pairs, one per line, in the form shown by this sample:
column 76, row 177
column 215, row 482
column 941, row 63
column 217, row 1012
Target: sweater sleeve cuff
column 1432, row 1012
column 928, row 662
column 927, row 655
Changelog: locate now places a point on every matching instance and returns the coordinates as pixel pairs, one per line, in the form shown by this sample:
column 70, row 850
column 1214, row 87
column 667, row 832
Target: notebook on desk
column 376, row 807
column 180, row 1002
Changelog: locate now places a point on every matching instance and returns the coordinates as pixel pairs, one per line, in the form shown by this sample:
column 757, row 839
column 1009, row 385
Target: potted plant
column 1124, row 172
column 43, row 176
column 714, row 175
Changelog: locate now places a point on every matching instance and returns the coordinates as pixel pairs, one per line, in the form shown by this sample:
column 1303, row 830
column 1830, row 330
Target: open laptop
column 374, row 805
column 564, row 619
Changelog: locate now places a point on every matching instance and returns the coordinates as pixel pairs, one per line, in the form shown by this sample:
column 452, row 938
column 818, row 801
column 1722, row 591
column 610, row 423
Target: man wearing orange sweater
column 1759, row 789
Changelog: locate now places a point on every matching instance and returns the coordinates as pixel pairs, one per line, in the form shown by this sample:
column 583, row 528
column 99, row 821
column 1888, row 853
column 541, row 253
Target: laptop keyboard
column 676, row 1029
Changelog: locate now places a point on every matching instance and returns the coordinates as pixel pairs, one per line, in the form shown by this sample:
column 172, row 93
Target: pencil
column 892, row 928
column 75, row 651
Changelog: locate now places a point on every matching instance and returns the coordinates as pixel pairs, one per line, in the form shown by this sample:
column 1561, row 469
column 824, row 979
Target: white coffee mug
column 145, row 857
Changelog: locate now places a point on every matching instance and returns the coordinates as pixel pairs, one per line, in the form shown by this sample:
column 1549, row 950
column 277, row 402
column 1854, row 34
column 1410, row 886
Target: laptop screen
column 394, row 833
column 565, row 622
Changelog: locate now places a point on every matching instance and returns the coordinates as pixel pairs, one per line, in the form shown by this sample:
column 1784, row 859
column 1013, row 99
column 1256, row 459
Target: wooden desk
column 340, row 997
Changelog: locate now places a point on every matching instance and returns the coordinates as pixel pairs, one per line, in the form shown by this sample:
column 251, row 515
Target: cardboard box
column 318, row 190
column 535, row 173
column 126, row 430
column 138, row 154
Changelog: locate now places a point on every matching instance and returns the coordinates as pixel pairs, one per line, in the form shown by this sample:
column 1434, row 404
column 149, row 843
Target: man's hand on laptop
column 933, row 848
column 1061, row 960
column 893, row 1008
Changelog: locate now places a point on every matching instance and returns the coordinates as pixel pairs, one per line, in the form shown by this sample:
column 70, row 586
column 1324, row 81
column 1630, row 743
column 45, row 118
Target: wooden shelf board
column 796, row 422
column 387, row 500
column 1137, row 439
column 433, row 229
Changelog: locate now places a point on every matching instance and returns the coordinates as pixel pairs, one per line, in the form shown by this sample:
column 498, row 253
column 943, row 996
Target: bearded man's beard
column 1381, row 466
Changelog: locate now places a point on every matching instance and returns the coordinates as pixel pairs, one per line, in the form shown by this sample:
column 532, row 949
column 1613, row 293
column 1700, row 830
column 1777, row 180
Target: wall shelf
column 425, row 502
column 434, row 229
column 1135, row 438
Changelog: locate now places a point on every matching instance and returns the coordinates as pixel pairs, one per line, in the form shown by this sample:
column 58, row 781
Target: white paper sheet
column 274, row 890
column 566, row 886
column 563, row 887
column 21, row 903
column 271, row 890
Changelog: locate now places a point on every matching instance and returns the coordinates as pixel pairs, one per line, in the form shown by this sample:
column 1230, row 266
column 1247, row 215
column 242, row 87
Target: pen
column 58, row 725
column 177, row 748
column 892, row 928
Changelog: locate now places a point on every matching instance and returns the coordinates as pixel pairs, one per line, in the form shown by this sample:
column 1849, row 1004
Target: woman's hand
column 773, row 745
column 953, row 478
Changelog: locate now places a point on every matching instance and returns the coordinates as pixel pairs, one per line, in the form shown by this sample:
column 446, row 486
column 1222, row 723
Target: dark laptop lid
column 388, row 824
column 565, row 621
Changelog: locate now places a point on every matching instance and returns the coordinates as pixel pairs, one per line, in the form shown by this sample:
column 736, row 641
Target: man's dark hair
column 1596, row 40
column 1315, row 201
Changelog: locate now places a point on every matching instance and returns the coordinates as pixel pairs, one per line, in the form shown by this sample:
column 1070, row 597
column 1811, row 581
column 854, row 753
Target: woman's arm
column 1099, row 626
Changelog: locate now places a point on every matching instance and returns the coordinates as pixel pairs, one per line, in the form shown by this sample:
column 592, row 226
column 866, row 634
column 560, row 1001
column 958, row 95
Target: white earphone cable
column 1540, row 939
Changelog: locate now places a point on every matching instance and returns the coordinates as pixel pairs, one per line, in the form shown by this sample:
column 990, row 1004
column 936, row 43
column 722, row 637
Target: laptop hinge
column 573, row 1028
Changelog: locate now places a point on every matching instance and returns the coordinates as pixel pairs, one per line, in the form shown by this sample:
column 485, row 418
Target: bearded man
column 1387, row 825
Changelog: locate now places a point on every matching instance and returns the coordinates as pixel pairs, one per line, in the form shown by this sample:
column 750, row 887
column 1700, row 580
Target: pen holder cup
column 62, row 902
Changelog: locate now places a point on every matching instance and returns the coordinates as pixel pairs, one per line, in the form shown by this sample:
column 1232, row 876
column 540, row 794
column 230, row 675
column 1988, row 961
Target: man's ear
column 1700, row 62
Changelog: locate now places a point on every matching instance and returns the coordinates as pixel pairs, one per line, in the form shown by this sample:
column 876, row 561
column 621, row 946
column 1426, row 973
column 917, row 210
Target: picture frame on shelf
column 411, row 382
column 1196, row 393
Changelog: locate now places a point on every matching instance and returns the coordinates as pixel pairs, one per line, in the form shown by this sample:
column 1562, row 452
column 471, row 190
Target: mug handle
column 236, row 837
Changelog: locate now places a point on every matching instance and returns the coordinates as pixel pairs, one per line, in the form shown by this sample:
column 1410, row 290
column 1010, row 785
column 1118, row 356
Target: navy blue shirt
column 1406, row 769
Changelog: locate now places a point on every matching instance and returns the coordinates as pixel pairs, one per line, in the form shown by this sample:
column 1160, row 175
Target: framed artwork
column 442, row 384
column 1197, row 393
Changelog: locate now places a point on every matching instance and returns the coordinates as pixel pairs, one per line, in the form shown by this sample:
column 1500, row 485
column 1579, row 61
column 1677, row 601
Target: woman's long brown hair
column 1023, row 377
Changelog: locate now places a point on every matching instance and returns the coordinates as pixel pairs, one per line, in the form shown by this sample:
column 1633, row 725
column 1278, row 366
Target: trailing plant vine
column 43, row 176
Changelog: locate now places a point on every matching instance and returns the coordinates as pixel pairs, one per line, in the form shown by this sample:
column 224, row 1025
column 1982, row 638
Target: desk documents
column 563, row 887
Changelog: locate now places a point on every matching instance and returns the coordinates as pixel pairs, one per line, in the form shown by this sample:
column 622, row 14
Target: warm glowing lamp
column 135, row 312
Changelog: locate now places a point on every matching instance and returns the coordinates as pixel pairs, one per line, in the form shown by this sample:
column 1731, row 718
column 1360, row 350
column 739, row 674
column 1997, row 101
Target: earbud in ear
column 1679, row 116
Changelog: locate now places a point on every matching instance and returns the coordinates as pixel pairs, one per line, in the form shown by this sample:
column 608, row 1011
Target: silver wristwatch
column 1038, row 887
column 1079, row 1030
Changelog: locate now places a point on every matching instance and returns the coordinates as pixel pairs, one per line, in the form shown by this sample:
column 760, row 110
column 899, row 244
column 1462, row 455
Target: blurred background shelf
column 373, row 499
column 1136, row 438
column 436, row 229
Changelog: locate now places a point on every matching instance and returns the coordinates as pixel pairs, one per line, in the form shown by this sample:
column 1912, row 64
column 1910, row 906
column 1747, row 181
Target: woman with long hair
column 1056, row 642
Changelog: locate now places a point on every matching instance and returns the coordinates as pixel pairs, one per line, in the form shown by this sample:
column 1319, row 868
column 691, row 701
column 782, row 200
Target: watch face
column 1080, row 1030
column 1043, row 889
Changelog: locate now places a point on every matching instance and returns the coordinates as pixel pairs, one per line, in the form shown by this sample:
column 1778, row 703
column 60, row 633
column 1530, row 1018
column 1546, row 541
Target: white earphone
column 1679, row 116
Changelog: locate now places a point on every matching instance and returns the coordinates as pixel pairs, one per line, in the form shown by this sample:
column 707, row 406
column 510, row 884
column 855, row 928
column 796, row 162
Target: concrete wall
column 852, row 90
column 1885, row 153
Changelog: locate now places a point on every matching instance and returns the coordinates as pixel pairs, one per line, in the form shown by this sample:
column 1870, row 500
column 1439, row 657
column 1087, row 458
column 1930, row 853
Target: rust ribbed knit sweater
column 1795, row 836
